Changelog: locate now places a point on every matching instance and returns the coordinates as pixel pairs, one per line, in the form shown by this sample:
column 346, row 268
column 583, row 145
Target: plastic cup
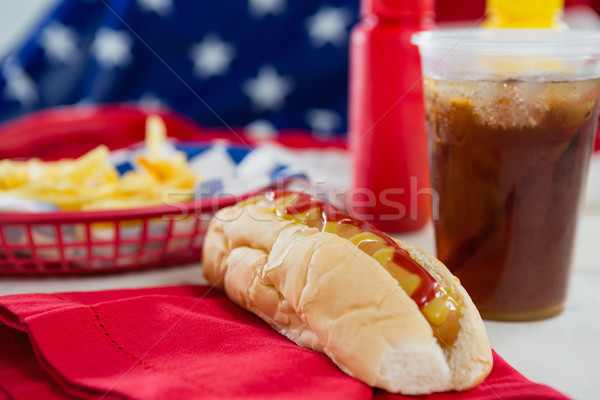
column 511, row 119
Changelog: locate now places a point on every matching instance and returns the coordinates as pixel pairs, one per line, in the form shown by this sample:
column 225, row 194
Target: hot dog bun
column 323, row 293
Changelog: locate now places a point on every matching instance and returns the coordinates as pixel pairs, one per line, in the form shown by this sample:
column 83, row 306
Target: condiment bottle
column 524, row 14
column 387, row 137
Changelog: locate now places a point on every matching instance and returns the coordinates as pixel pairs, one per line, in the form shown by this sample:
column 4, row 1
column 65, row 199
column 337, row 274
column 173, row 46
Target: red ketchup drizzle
column 428, row 286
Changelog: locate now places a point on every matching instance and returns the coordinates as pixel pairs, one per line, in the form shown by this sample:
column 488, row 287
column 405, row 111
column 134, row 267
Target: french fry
column 90, row 182
column 156, row 135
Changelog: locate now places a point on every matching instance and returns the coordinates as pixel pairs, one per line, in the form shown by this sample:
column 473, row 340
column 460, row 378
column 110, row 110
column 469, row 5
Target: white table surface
column 563, row 352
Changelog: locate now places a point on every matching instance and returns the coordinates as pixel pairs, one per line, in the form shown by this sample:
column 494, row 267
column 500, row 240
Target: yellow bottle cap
column 524, row 14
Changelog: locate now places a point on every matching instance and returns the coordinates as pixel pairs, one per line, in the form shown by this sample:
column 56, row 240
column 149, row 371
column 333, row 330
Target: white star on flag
column 59, row 43
column 161, row 7
column 268, row 90
column 260, row 129
column 261, row 8
column 19, row 86
column 212, row 56
column 151, row 101
column 112, row 48
column 85, row 101
column 329, row 25
column 322, row 120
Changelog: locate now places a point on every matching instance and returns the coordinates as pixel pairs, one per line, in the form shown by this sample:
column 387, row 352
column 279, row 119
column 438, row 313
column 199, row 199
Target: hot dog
column 385, row 312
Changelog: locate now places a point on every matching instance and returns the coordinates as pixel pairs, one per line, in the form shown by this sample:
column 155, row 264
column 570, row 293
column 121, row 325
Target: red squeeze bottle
column 387, row 137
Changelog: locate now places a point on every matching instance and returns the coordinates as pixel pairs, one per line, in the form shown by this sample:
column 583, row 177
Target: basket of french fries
column 98, row 214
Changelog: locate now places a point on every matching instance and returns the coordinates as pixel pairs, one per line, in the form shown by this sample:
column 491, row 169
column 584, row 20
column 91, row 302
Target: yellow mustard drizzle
column 442, row 311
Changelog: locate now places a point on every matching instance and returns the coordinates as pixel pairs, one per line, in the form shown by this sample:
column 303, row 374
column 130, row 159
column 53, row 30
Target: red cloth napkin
column 178, row 342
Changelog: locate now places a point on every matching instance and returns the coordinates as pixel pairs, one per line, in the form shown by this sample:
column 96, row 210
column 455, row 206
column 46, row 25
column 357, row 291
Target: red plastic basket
column 104, row 241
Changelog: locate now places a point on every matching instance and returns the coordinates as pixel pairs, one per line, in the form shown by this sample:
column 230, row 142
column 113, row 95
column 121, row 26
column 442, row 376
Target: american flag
column 264, row 65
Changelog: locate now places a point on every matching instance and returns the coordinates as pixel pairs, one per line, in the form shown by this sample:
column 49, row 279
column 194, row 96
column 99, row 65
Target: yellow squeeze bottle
column 524, row 14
